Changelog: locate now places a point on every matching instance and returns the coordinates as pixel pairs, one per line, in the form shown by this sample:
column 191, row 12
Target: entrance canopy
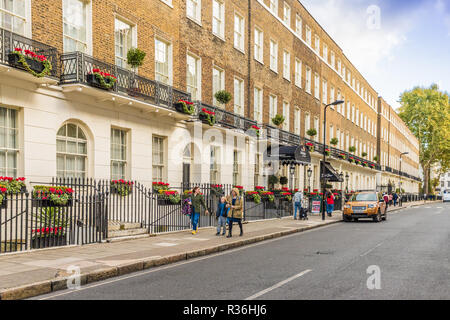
column 329, row 173
column 286, row 155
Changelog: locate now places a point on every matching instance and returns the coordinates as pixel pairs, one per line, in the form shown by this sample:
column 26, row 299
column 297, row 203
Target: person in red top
column 330, row 203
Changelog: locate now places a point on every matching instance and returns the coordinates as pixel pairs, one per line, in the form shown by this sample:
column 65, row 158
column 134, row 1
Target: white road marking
column 279, row 284
column 378, row 245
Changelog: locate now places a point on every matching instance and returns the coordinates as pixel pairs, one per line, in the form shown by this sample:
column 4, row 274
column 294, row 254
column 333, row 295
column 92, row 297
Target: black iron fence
column 9, row 41
column 30, row 223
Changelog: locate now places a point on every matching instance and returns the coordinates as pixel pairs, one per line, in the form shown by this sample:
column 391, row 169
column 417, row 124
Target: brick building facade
column 272, row 55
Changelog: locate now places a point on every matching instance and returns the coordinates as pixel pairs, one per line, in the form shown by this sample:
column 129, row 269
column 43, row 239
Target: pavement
column 39, row 272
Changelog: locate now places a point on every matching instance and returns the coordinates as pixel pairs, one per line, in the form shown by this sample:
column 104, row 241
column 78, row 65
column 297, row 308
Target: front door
column 186, row 175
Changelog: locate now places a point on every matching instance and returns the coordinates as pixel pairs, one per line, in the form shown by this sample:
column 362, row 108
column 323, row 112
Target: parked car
column 365, row 205
column 446, row 196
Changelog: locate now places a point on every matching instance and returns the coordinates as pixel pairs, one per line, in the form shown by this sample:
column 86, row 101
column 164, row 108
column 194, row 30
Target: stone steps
column 123, row 230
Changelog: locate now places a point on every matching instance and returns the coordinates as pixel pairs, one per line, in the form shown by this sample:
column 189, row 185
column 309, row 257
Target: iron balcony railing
column 226, row 118
column 76, row 66
column 10, row 41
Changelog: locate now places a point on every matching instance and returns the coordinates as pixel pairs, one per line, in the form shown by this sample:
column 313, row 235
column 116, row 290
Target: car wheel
column 385, row 216
column 346, row 219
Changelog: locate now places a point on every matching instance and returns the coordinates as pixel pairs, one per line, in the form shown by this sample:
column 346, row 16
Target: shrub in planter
column 135, row 58
column 375, row 159
column 365, row 164
column 100, row 79
column 311, row 133
column 208, row 116
column 352, row 149
column 253, row 196
column 286, row 196
column 122, row 187
column 278, row 120
column 52, row 223
column 217, row 190
column 37, row 65
column 14, row 186
column 53, row 195
column 334, row 141
column 351, row 160
column 358, row 162
column 186, row 107
column 372, row 166
column 268, row 196
column 171, row 196
column 364, row 154
column 223, row 96
column 259, row 189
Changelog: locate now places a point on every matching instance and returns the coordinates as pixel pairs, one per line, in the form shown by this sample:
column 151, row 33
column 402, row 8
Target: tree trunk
column 426, row 180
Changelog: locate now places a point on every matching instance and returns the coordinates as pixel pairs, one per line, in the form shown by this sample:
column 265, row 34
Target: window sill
column 195, row 21
column 239, row 49
column 167, row 3
column 259, row 61
column 218, row 36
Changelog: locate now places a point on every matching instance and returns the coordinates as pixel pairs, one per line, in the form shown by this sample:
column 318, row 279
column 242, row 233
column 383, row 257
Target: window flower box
column 3, row 201
column 310, row 146
column 52, row 196
column 185, row 107
column 121, row 187
column 268, row 196
column 286, row 196
column 256, row 130
column 342, row 156
column 351, row 160
column 217, row 190
column 253, row 196
column 27, row 60
column 207, row 116
column 365, row 164
column 48, row 237
column 240, row 188
column 157, row 186
column 100, row 79
column 168, row 197
column 327, row 152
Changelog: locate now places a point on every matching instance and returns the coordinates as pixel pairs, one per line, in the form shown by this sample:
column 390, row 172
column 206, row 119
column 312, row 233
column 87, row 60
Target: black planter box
column 204, row 118
column 94, row 82
column 48, row 242
column 49, row 203
column 36, row 66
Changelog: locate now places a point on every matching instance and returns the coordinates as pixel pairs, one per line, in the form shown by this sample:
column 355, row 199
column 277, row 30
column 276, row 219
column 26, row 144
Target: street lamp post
column 322, row 167
column 291, row 172
column 309, row 179
column 401, row 155
column 341, row 175
column 346, row 182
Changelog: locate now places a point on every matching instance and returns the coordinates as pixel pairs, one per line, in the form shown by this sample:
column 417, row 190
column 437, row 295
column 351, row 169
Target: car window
column 364, row 197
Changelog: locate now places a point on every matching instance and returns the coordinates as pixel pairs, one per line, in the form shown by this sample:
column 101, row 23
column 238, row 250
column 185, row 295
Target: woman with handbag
column 234, row 202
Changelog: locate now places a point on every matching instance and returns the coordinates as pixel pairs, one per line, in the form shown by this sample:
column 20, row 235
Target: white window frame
column 299, row 25
column 76, row 155
column 194, row 89
column 239, row 34
column 287, row 14
column 169, row 76
column 308, row 35
column 122, row 162
column 26, row 18
column 133, row 32
column 297, row 120
column 220, row 20
column 298, row 72
column 324, row 91
column 88, row 24
column 308, row 84
column 317, row 44
column 258, row 104
column 307, row 122
column 273, row 6
column 333, row 59
column 197, row 15
column 8, row 148
column 325, row 52
column 160, row 165
column 286, row 65
column 238, row 84
column 273, row 107
column 286, row 115
column 273, row 56
column 317, row 86
column 259, row 45
column 221, row 84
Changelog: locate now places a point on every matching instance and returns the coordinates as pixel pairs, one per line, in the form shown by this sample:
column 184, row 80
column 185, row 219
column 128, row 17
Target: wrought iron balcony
column 10, row 41
column 225, row 118
column 76, row 66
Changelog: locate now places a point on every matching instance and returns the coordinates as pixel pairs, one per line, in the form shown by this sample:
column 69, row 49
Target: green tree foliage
column 426, row 111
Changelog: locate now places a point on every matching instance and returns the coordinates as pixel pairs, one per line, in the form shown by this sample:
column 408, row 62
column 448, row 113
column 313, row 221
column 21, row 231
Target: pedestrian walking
column 199, row 207
column 386, row 199
column 395, row 198
column 298, row 198
column 330, row 203
column 390, row 199
column 234, row 203
column 222, row 214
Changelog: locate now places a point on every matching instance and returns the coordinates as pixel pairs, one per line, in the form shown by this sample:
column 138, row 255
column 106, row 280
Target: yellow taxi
column 365, row 205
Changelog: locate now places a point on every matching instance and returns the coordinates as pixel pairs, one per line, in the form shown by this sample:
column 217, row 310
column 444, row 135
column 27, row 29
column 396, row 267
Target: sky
column 395, row 44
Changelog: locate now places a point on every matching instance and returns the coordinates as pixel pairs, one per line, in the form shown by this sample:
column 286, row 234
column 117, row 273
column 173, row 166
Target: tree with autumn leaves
column 426, row 112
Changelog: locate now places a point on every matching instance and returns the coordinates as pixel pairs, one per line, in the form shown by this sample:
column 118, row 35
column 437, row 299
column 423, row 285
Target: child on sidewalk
column 221, row 214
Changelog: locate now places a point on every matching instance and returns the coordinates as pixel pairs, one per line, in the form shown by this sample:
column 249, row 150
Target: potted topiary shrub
column 278, row 120
column 364, row 154
column 311, row 133
column 352, row 149
column 334, row 141
column 223, row 97
column 375, row 159
column 135, row 59
column 273, row 180
column 283, row 181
